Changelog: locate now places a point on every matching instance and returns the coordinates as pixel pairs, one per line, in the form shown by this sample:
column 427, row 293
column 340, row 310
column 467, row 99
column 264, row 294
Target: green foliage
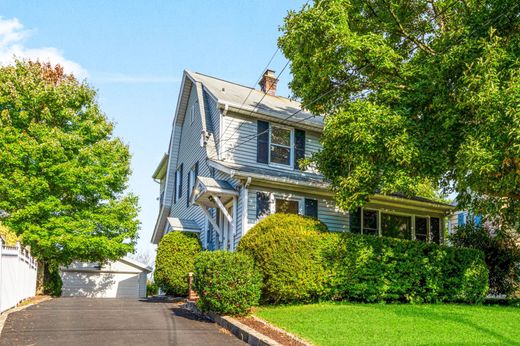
column 62, row 173
column 373, row 269
column 284, row 247
column 175, row 259
column 52, row 281
column 502, row 253
column 227, row 283
column 151, row 288
column 416, row 93
column 8, row 236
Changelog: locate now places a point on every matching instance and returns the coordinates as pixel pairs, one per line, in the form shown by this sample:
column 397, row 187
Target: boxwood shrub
column 284, row 248
column 371, row 269
column 226, row 282
column 175, row 259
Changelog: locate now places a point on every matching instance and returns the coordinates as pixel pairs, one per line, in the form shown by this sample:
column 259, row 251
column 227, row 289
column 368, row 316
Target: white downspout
column 245, row 195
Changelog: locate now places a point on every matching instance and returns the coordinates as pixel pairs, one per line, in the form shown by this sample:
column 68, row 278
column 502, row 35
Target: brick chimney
column 268, row 82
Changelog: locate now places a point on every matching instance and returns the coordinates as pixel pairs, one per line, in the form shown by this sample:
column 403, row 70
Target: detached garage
column 124, row 278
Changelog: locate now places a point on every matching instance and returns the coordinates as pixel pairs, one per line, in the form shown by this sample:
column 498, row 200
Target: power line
column 248, row 139
column 333, row 88
column 257, row 104
column 254, row 85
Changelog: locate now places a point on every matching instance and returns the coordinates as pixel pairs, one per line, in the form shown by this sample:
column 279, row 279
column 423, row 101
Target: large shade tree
column 415, row 92
column 62, row 172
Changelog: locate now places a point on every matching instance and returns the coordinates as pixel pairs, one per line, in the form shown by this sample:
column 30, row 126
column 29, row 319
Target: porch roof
column 206, row 189
column 183, row 225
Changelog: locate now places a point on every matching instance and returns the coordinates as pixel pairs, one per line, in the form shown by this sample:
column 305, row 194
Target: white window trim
column 412, row 222
column 192, row 113
column 178, row 186
column 300, row 200
column 191, row 182
column 291, row 147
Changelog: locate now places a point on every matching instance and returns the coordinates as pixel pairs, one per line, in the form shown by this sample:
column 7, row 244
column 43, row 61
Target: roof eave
column 267, row 115
column 160, row 171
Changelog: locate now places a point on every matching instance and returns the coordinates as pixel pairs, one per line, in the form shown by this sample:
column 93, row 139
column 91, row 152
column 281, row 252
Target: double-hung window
column 178, row 183
column 192, row 176
column 281, row 145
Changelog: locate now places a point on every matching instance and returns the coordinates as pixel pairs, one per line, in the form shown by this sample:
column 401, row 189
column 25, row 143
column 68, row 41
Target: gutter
column 266, row 115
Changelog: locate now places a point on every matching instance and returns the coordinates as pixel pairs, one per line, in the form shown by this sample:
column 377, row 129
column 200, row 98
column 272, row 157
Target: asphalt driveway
column 88, row 321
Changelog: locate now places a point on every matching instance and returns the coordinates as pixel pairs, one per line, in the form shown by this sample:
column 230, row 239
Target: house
column 234, row 157
column 124, row 278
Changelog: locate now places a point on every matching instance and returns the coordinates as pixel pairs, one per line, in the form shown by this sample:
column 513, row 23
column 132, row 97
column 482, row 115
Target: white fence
column 17, row 275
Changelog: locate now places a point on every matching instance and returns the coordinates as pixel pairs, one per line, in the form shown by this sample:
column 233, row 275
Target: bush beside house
column 372, row 269
column 301, row 263
column 227, row 283
column 502, row 254
column 175, row 259
column 284, row 247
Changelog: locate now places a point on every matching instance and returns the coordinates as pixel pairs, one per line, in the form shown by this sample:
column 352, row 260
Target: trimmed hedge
column 301, row 263
column 227, row 283
column 373, row 269
column 284, row 249
column 175, row 259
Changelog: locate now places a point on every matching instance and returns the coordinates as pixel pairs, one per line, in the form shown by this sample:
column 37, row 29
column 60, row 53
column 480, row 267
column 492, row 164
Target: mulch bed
column 270, row 332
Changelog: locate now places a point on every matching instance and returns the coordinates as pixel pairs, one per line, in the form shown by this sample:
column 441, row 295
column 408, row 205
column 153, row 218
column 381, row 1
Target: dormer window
column 281, row 144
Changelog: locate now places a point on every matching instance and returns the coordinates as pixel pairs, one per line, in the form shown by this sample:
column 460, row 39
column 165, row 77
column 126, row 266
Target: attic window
column 192, row 113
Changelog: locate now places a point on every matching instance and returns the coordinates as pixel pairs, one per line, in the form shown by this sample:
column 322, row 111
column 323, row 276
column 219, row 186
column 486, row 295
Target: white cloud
column 12, row 37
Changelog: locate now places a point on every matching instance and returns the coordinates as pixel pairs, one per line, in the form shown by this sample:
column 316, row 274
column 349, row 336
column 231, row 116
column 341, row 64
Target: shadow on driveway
column 98, row 321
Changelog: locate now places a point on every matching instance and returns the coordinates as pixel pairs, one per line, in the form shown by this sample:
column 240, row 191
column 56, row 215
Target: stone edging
column 243, row 332
column 238, row 329
column 5, row 314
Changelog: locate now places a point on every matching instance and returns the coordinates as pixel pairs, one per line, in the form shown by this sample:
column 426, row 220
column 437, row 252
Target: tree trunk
column 40, row 278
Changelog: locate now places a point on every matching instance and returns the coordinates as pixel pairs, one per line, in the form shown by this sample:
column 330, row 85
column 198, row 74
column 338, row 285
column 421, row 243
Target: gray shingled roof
column 210, row 183
column 270, row 172
column 276, row 106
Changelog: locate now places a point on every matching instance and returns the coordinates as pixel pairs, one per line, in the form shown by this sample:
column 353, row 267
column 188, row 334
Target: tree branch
column 421, row 45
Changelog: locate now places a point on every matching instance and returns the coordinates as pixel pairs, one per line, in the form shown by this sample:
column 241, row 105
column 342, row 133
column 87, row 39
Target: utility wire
column 254, row 85
column 257, row 105
column 334, row 88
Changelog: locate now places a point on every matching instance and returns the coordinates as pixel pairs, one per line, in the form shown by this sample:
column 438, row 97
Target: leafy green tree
column 416, row 92
column 62, row 173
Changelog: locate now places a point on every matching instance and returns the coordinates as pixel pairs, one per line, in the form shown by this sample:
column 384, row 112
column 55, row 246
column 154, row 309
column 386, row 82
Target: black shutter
column 299, row 147
column 311, row 207
column 196, row 170
column 263, row 200
column 180, row 183
column 262, row 142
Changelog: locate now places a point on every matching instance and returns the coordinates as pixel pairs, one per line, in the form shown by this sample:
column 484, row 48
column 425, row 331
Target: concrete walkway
column 89, row 321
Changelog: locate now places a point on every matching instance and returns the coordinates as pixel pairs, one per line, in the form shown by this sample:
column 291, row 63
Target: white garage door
column 100, row 285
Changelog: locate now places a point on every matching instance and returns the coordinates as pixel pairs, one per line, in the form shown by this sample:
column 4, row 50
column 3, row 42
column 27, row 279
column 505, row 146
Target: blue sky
column 134, row 52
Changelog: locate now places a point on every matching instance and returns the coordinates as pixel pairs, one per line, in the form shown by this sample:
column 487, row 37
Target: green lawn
column 398, row 324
